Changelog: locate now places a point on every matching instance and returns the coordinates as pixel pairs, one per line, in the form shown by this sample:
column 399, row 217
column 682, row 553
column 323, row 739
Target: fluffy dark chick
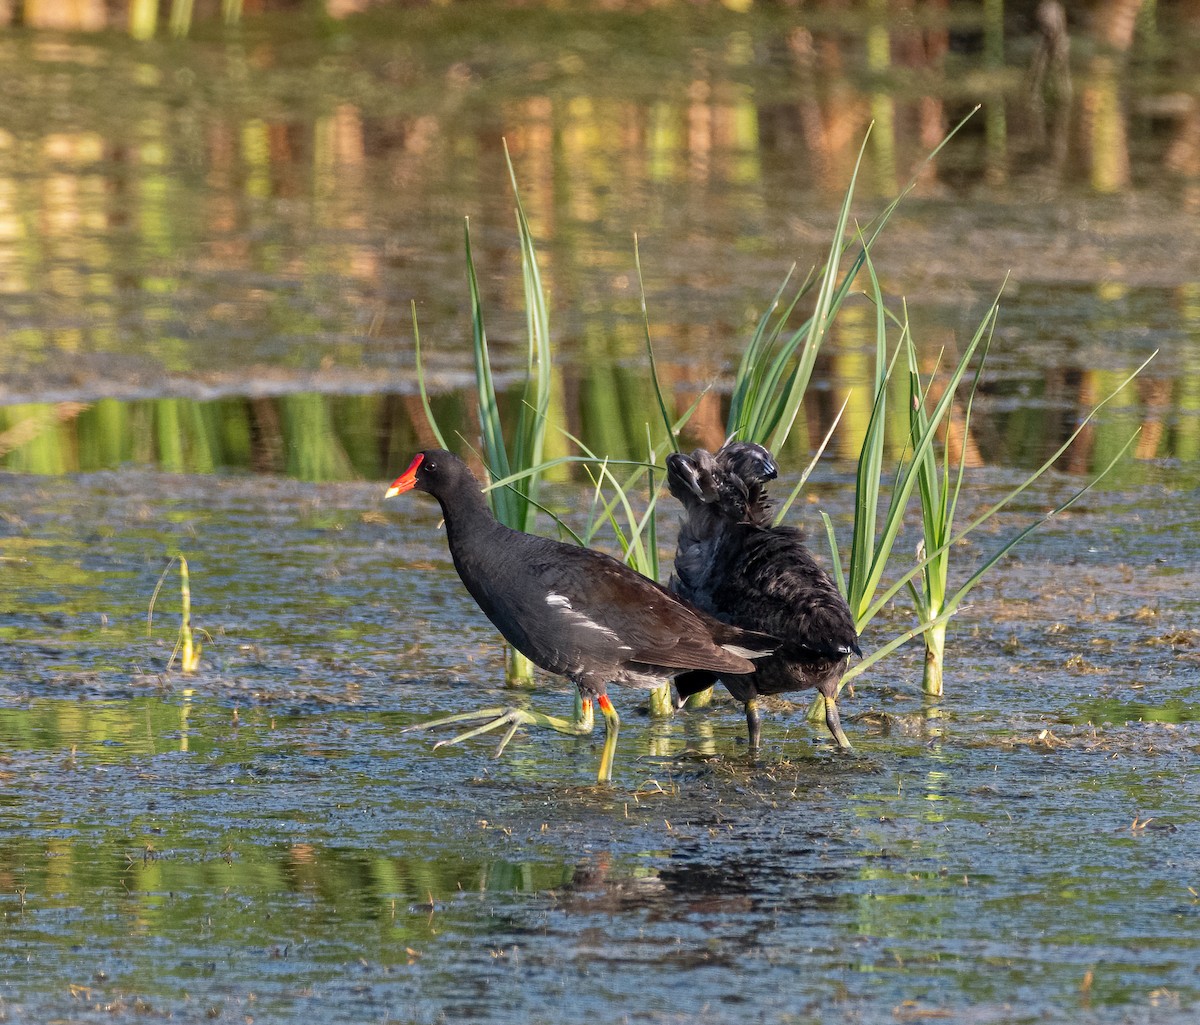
column 732, row 563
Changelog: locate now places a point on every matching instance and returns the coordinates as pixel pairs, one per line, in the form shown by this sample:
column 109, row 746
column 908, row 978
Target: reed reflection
column 223, row 234
column 319, row 437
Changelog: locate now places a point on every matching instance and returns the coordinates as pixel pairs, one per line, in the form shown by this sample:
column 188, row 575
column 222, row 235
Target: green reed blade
column 529, row 437
column 503, row 502
column 909, row 475
column 883, row 651
column 672, row 428
column 869, row 551
column 839, row 575
column 425, row 404
column 790, row 400
column 991, row 511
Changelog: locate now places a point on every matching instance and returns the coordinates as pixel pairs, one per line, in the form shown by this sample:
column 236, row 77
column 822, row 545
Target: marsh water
column 208, row 248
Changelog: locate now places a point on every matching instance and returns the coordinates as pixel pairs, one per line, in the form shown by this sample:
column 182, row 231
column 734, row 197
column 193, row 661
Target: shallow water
column 260, row 840
column 207, row 253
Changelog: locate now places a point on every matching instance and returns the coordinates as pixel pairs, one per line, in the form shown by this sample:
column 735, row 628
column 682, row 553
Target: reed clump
column 768, row 393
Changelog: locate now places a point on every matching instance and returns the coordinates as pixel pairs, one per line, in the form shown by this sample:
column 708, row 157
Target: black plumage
column 571, row 610
column 733, row 563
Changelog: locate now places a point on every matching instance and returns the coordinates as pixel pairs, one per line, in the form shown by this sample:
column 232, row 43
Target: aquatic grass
column 426, row 405
column 776, row 367
column 954, row 605
column 939, row 493
column 520, row 458
column 186, row 646
column 672, row 425
column 765, row 407
column 872, row 541
column 638, row 537
column 773, row 374
column 189, row 655
column 770, row 382
column 769, row 388
column 872, row 537
column 939, row 490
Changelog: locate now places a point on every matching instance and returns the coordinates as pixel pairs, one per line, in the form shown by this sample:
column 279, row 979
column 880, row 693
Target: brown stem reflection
column 245, row 238
column 954, row 433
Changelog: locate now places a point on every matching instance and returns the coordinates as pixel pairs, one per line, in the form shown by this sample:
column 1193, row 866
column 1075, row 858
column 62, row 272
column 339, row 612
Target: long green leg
column 753, row 723
column 834, row 722
column 513, row 718
column 612, row 725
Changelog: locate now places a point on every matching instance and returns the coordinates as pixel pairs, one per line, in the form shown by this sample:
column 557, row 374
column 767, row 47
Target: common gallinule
column 732, row 563
column 570, row 610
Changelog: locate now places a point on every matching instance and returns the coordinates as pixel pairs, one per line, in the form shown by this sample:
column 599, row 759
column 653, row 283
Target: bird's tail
column 749, row 644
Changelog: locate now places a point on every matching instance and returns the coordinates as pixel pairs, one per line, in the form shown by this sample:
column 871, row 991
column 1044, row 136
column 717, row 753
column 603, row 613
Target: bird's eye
column 430, row 467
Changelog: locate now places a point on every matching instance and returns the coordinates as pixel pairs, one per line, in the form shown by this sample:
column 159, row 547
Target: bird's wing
column 768, row 580
column 604, row 606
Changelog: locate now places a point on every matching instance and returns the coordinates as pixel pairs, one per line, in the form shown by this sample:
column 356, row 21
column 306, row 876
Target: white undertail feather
column 737, row 649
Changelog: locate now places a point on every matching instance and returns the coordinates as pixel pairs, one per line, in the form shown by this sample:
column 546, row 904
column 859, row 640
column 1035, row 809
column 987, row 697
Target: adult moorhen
column 732, row 563
column 571, row 610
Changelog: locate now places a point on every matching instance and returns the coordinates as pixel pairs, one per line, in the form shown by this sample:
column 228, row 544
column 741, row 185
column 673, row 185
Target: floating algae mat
column 258, row 840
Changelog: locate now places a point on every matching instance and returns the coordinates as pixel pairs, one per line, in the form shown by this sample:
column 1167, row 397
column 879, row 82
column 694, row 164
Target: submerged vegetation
column 187, row 648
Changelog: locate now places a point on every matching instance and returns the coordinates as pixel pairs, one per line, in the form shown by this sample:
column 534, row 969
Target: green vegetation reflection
column 325, row 437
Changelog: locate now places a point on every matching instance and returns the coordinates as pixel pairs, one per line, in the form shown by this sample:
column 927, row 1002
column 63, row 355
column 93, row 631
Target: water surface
column 208, row 250
column 259, row 839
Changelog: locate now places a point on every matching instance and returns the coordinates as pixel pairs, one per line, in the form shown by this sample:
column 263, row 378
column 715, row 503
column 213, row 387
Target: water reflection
column 1019, row 421
column 205, row 227
column 282, row 850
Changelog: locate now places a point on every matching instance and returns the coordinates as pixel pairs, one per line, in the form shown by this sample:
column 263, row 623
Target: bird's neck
column 469, row 519
column 485, row 552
